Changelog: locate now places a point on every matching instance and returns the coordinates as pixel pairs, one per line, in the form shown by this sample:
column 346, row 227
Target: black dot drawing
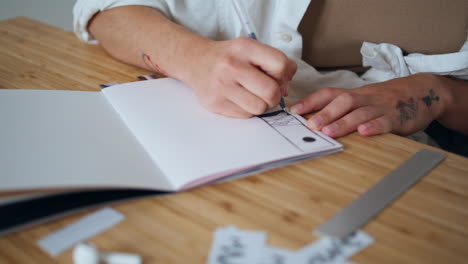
column 308, row 139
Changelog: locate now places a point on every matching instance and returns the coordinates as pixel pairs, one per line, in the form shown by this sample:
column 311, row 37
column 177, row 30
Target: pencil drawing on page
column 290, row 128
column 281, row 119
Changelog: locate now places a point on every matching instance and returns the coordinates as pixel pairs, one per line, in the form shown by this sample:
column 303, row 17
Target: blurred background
column 53, row 12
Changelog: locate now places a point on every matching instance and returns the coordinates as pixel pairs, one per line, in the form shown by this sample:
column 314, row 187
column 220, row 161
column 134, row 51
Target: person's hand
column 238, row 78
column 402, row 106
column 241, row 77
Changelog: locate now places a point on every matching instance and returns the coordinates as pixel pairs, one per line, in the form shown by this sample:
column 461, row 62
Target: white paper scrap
column 331, row 250
column 274, row 255
column 234, row 246
column 89, row 226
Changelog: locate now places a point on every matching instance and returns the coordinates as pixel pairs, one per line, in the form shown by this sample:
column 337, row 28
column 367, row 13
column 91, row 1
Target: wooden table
column 428, row 224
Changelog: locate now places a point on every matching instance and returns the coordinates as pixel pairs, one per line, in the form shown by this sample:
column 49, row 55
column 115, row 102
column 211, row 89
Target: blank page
column 187, row 141
column 56, row 139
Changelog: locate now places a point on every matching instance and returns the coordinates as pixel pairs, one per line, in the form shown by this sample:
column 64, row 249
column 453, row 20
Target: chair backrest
column 333, row 30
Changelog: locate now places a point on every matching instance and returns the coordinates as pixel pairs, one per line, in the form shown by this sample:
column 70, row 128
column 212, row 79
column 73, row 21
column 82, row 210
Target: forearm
column 142, row 36
column 455, row 113
column 238, row 78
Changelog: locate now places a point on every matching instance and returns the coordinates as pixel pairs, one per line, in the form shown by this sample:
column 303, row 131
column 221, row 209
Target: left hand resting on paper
column 401, row 106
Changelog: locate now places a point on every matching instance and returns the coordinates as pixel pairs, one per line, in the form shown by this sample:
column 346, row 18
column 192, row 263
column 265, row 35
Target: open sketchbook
column 149, row 135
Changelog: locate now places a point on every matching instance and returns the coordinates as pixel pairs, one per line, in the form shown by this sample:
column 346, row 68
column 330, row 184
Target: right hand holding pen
column 241, row 77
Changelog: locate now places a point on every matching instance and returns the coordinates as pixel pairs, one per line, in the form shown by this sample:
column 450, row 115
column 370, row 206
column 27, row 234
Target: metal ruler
column 379, row 196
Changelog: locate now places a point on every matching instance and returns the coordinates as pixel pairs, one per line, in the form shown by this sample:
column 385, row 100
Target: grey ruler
column 379, row 196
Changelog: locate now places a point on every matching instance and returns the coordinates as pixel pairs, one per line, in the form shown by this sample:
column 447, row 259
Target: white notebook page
column 65, row 139
column 187, row 141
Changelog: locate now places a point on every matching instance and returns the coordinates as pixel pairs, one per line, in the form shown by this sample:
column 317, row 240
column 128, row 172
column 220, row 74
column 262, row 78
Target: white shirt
column 276, row 22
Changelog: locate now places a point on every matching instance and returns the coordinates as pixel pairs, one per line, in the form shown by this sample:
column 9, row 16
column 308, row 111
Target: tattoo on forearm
column 431, row 97
column 408, row 109
column 151, row 64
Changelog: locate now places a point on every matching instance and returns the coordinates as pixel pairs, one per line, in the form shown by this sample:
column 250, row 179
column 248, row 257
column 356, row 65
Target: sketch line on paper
column 281, row 118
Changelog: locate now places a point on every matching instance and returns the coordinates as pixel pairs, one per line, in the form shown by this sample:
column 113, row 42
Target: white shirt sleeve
column 84, row 10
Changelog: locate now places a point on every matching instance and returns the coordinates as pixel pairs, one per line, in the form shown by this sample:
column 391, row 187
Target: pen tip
column 282, row 104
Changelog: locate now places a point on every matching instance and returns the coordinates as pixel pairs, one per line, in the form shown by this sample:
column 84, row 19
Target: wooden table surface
column 428, row 224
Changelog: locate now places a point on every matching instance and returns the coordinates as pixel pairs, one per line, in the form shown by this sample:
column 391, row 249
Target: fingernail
column 363, row 128
column 296, row 109
column 317, row 121
column 330, row 129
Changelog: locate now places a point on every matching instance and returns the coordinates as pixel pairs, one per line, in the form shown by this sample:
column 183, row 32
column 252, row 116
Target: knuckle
column 327, row 91
column 282, row 62
column 240, row 44
column 344, row 124
column 273, row 101
column 243, row 114
column 368, row 112
column 225, row 64
column 347, row 99
column 253, row 105
column 270, row 91
column 259, row 108
column 217, row 87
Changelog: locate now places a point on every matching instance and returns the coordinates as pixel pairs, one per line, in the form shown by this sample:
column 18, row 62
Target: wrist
column 437, row 94
column 455, row 106
column 191, row 57
column 446, row 93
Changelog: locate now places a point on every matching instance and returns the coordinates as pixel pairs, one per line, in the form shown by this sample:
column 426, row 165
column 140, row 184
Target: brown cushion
column 333, row 30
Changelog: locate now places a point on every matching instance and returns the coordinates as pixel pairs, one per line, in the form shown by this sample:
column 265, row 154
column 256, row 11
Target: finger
column 337, row 108
column 376, row 126
column 231, row 109
column 260, row 84
column 350, row 122
column 315, row 101
column 273, row 61
column 225, row 107
column 284, row 89
column 247, row 101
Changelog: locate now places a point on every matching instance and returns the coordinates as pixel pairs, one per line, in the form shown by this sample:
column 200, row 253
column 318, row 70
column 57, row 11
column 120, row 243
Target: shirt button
column 286, row 37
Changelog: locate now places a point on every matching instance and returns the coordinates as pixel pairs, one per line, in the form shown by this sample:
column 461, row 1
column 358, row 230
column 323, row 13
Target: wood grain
column 428, row 224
